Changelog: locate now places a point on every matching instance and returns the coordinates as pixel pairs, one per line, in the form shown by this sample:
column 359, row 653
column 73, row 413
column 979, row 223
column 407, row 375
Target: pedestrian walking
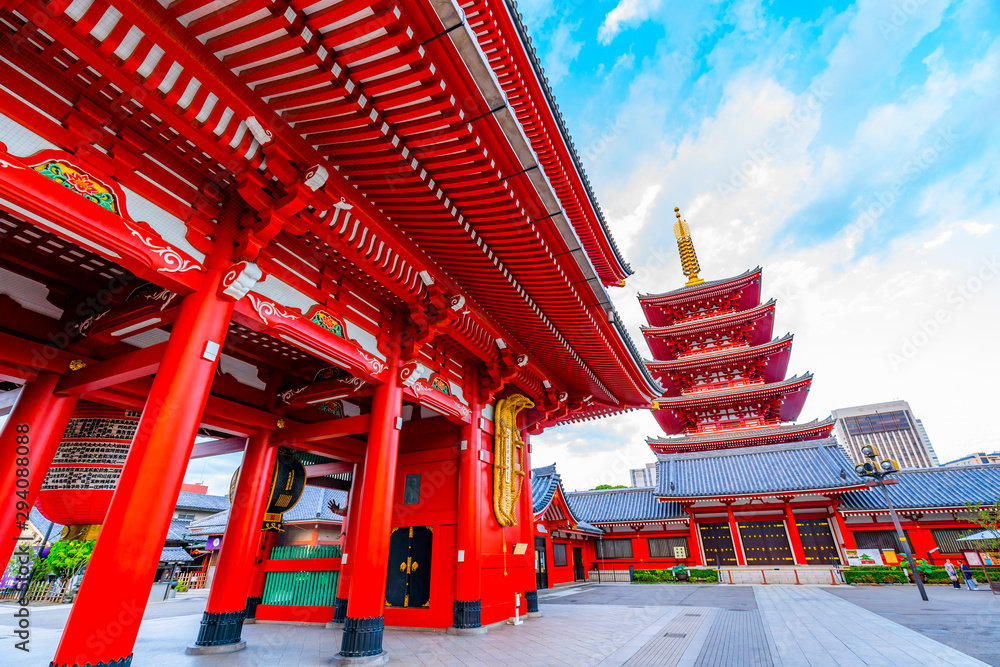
column 949, row 567
column 970, row 581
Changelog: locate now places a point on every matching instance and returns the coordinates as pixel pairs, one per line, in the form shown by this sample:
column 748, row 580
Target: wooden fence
column 39, row 591
column 610, row 576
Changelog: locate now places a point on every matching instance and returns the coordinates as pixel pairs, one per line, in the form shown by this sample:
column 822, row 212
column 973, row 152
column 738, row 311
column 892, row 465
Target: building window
column 877, row 539
column 185, row 517
column 946, row 539
column 559, row 555
column 614, row 548
column 668, row 547
column 411, row 490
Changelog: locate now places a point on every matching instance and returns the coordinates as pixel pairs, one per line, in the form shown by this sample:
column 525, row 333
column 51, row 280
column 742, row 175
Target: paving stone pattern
column 662, row 625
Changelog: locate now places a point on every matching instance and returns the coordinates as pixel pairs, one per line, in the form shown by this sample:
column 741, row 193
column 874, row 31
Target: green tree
column 65, row 560
column 601, row 487
column 987, row 515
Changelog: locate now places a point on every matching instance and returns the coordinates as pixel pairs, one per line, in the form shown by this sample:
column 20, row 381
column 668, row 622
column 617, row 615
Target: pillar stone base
column 377, row 659
column 195, row 649
column 251, row 610
column 362, row 637
column 220, row 629
column 120, row 662
column 468, row 614
column 533, row 614
column 531, row 598
column 339, row 610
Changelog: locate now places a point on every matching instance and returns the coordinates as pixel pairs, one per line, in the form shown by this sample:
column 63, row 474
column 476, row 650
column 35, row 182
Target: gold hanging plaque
column 508, row 458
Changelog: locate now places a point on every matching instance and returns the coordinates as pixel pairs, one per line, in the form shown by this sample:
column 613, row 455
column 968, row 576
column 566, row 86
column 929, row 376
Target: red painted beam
column 129, row 366
column 29, row 356
column 217, row 447
column 333, row 428
column 324, row 469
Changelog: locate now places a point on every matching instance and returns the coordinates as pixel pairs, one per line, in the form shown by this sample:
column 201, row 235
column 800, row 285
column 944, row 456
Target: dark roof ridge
column 745, row 451
column 604, row 491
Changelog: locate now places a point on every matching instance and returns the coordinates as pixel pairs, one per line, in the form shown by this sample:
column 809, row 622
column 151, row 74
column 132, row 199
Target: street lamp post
column 879, row 471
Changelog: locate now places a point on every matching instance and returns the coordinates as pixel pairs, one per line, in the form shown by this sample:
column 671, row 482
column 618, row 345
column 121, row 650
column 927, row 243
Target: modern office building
column 643, row 476
column 891, row 427
column 974, row 459
column 927, row 442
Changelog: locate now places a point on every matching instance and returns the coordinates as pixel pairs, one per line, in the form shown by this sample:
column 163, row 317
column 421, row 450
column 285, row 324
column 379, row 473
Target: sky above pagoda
column 852, row 150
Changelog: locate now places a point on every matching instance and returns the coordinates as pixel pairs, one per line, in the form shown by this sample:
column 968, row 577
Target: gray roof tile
column 796, row 466
column 622, row 505
column 201, row 501
column 175, row 555
column 932, row 487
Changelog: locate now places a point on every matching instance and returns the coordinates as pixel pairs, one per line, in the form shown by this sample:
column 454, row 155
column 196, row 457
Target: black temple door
column 408, row 581
column 817, row 541
column 718, row 543
column 541, row 566
column 420, row 567
column 578, row 573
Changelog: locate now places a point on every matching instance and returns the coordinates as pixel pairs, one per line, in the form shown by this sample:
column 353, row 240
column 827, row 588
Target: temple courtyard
column 615, row 624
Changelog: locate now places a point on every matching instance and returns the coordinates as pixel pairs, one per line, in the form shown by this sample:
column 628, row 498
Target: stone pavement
column 610, row 624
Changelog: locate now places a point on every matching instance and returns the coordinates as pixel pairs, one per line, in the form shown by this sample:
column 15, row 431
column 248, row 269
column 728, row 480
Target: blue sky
column 851, row 149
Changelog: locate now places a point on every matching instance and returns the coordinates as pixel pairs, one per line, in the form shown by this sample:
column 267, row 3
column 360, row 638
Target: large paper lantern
column 81, row 482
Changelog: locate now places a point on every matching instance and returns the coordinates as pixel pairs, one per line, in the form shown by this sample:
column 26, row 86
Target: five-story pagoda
column 757, row 488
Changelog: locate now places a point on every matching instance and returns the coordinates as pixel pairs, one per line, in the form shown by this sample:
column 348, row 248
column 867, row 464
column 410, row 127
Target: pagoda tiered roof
column 787, row 398
column 772, row 358
column 724, row 438
column 818, row 466
column 668, row 342
column 659, row 308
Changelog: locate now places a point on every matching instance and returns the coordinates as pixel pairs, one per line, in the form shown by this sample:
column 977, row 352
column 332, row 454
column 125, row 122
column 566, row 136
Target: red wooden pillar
column 734, row 530
column 104, row 621
column 28, row 443
column 265, row 542
column 798, row 551
column 365, row 619
column 694, row 544
column 530, row 603
column 468, row 607
column 846, row 536
column 222, row 623
column 348, row 543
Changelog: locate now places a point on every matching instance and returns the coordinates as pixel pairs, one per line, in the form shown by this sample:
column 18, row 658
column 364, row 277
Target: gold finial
column 685, row 246
column 77, row 364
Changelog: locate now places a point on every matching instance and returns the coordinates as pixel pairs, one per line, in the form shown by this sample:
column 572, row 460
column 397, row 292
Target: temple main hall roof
column 622, row 506
column 545, row 482
column 931, row 488
column 816, row 465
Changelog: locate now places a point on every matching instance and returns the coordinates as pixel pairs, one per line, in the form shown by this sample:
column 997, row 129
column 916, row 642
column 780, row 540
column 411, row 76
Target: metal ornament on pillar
column 508, row 458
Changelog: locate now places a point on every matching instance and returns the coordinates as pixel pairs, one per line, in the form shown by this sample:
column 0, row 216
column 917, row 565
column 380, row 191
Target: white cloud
column 628, row 13
column 562, row 51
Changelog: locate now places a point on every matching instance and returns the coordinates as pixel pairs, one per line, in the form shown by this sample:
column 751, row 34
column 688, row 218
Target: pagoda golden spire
column 685, row 246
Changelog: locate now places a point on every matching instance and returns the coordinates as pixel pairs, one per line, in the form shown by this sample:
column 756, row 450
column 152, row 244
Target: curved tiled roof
column 932, row 487
column 175, row 555
column 214, row 524
column 544, row 482
column 201, row 501
column 313, row 505
column 700, row 286
column 797, row 466
column 621, row 505
column 724, row 435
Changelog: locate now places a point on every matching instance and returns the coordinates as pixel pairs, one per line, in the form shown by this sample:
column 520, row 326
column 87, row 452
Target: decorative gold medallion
column 508, row 458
